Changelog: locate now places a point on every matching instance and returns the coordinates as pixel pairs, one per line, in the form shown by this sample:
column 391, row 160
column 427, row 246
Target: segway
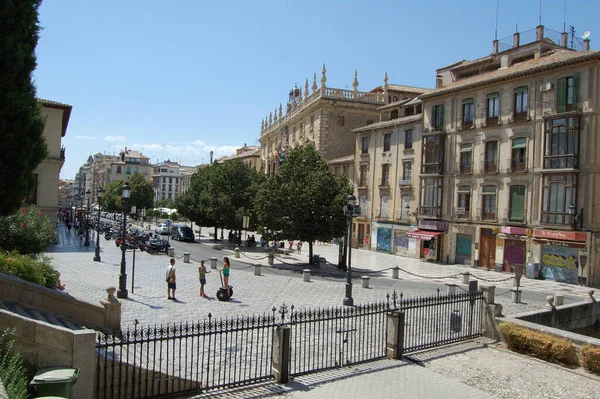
column 223, row 294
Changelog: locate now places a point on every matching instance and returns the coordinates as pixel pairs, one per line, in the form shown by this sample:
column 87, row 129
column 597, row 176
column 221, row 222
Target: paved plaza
column 283, row 283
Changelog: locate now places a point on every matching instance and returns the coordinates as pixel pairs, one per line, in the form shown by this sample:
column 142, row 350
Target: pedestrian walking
column 299, row 247
column 225, row 271
column 202, row 275
column 171, row 280
column 69, row 226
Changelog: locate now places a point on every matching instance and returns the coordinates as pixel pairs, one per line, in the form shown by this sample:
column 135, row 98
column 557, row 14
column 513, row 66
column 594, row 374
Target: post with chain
column 281, row 349
column 395, row 335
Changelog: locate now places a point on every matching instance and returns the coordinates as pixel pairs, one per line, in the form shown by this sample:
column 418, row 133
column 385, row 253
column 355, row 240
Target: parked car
column 162, row 229
column 182, row 233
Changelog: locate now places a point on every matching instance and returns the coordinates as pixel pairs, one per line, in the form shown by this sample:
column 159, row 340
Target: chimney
column 586, row 44
column 211, row 158
column 495, row 47
column 438, row 82
column 539, row 33
column 564, row 39
column 516, row 39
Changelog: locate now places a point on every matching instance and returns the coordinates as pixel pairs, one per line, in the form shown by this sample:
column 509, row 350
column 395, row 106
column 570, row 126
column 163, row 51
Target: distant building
column 166, row 179
column 250, row 155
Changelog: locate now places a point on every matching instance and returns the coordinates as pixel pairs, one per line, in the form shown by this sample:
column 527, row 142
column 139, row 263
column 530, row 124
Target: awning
column 424, row 234
column 558, row 243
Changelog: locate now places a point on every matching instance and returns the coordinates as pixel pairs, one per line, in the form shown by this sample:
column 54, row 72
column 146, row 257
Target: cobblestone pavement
column 283, row 283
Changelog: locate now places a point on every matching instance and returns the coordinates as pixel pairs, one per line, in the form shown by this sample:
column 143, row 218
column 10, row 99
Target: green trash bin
column 54, row 381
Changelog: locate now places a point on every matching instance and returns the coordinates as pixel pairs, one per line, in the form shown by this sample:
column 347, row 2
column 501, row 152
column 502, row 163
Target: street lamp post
column 97, row 255
column 87, row 219
column 122, row 292
column 576, row 218
column 350, row 210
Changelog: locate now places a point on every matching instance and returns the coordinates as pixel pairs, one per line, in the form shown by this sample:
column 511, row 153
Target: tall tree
column 304, row 200
column 111, row 200
column 21, row 122
column 142, row 192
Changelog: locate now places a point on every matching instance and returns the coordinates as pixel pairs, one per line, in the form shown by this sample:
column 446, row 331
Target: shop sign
column 518, row 231
column 437, row 225
column 560, row 235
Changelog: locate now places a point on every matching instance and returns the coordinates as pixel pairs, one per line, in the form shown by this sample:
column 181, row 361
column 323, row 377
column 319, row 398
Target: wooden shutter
column 561, row 95
column 441, row 107
column 575, row 90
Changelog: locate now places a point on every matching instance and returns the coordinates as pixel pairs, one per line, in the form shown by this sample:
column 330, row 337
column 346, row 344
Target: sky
column 178, row 79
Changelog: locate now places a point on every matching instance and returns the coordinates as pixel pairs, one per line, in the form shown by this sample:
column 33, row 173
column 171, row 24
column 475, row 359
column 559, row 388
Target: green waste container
column 54, row 381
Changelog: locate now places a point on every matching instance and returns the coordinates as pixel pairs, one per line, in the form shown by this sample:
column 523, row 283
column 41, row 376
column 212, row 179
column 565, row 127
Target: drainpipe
column 533, row 166
column 373, row 182
column 397, row 174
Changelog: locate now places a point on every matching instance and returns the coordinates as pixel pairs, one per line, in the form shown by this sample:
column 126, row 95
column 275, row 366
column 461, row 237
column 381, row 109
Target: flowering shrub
column 37, row 270
column 27, row 231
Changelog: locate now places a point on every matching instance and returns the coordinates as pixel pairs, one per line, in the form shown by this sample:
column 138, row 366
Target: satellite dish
column 586, row 34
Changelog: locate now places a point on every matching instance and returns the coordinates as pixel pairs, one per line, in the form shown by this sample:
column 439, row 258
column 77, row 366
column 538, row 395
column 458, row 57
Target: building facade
column 47, row 173
column 166, row 179
column 249, row 155
column 509, row 170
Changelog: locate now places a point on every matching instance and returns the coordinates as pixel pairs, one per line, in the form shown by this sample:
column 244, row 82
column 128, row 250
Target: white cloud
column 118, row 139
column 199, row 143
column 195, row 153
column 85, row 137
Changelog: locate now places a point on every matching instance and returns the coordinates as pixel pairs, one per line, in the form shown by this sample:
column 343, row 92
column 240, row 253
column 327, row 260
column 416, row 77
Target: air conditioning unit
column 460, row 211
column 546, row 86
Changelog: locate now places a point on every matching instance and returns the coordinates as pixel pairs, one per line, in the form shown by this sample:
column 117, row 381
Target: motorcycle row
column 134, row 238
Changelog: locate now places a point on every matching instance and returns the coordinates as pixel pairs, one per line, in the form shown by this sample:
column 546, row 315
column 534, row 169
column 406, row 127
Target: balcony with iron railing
column 489, row 215
column 517, row 165
column 551, row 107
column 430, row 211
column 405, row 183
column 435, row 168
column 566, row 161
column 518, row 117
column 489, row 167
column 462, row 213
column 465, row 169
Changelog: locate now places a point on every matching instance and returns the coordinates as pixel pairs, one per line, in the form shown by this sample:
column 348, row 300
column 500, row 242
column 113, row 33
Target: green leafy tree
column 111, row 200
column 164, row 203
column 303, row 201
column 142, row 192
column 26, row 231
column 21, row 122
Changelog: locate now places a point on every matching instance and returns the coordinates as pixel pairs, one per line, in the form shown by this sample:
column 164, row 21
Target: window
column 394, row 114
column 363, row 205
column 407, row 171
column 433, row 154
column 118, row 169
column 341, row 120
column 437, row 117
column 559, row 191
column 521, row 104
column 488, row 203
column 567, row 93
column 517, row 204
column 408, row 138
column 365, row 145
column 561, row 143
column 363, row 175
column 466, row 159
column 384, row 207
column 463, row 205
column 387, row 141
column 517, row 160
column 468, row 109
column 491, row 157
column 431, row 197
column 493, row 109
column 385, row 174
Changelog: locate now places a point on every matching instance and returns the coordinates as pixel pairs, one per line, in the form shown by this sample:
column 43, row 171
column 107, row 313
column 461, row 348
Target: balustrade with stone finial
column 306, row 89
column 280, row 111
column 385, row 88
column 270, row 118
column 314, row 85
column 355, row 84
column 323, row 79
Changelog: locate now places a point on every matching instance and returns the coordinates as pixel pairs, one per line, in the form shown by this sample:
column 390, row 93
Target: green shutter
column 575, row 90
column 442, row 117
column 561, row 95
column 517, row 203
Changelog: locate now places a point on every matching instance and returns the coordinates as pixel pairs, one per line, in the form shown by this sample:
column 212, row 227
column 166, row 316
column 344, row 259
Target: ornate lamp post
column 350, row 210
column 97, row 255
column 122, row 292
column 87, row 219
column 576, row 218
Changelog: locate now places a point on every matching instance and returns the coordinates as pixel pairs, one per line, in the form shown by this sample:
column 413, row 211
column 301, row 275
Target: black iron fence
column 151, row 361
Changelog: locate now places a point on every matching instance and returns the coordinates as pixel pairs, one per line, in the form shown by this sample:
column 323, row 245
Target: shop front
column 563, row 254
column 487, row 248
column 429, row 239
column 393, row 238
column 515, row 247
column 463, row 244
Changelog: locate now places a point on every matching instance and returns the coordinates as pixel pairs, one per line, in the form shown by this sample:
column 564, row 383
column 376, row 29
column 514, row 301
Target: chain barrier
column 250, row 257
column 428, row 277
column 491, row 281
column 275, row 271
column 286, row 263
column 504, row 293
column 377, row 271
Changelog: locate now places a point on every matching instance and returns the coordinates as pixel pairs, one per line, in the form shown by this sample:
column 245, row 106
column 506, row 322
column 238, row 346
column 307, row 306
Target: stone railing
column 323, row 93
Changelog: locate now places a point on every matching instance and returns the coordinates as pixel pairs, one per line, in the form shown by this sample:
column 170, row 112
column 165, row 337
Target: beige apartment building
column 166, row 180
column 47, row 173
column 107, row 168
column 249, row 155
column 322, row 116
column 386, row 153
column 509, row 170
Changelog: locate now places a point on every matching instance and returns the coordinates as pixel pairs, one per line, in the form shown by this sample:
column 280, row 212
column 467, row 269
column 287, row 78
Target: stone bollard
column 465, row 278
column 112, row 310
column 550, row 301
column 365, row 281
column 395, row 273
column 257, row 270
column 516, row 296
column 489, row 293
column 451, row 289
column 171, row 252
column 213, row 263
column 271, row 258
column 306, row 275
column 186, row 257
column 237, row 252
column 591, row 295
column 559, row 300
column 322, row 264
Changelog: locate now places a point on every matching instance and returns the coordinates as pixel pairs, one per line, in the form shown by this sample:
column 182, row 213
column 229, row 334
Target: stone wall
column 45, row 345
